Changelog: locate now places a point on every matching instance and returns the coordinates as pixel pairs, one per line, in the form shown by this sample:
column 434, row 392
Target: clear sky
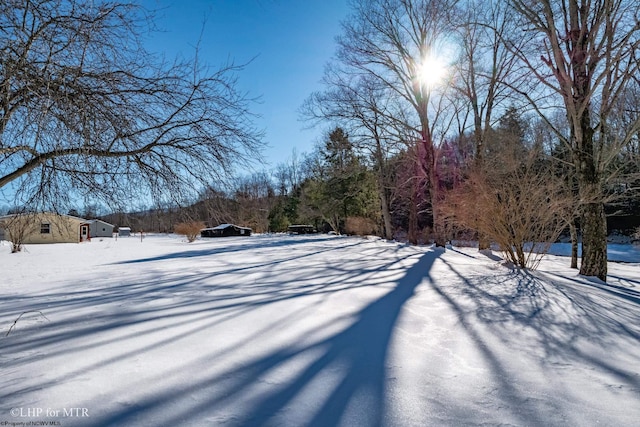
column 287, row 41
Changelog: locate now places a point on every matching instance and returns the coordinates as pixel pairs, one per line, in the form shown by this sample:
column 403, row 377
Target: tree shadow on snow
column 360, row 351
column 556, row 323
column 221, row 245
column 354, row 358
column 164, row 309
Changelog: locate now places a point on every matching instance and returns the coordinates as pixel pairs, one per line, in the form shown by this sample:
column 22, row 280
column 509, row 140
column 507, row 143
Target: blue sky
column 287, row 41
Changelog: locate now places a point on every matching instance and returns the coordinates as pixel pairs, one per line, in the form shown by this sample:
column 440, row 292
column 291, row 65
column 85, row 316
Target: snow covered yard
column 311, row 330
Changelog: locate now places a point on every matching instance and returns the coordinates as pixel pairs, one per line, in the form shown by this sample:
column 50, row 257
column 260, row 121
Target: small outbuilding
column 302, row 229
column 225, row 230
column 99, row 228
column 124, row 231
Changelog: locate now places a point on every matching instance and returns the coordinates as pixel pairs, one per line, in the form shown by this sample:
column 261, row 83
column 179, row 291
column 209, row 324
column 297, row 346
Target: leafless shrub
column 360, row 226
column 17, row 228
column 518, row 205
column 190, row 229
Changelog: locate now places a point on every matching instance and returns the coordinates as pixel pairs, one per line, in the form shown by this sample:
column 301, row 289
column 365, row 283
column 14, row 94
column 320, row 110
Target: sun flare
column 432, row 71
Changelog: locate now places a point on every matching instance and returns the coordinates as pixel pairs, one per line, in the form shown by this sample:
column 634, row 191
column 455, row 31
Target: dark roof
column 223, row 226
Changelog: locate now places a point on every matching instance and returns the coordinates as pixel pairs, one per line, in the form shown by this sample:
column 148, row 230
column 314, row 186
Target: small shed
column 302, row 229
column 225, row 230
column 124, row 231
column 99, row 228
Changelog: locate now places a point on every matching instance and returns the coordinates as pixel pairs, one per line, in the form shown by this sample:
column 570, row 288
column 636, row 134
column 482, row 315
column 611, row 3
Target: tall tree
column 398, row 42
column 84, row 108
column 362, row 105
column 254, row 197
column 485, row 64
column 483, row 70
column 340, row 185
column 585, row 54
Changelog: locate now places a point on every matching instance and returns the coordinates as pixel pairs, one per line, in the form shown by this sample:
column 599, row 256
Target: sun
column 431, row 72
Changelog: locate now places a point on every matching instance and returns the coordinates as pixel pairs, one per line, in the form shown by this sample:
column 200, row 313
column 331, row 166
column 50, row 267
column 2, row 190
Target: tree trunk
column 594, row 222
column 382, row 192
column 573, row 230
column 429, row 164
column 386, row 213
column 413, row 213
column 439, row 235
column 594, row 241
column 438, row 223
column 483, row 242
column 334, row 221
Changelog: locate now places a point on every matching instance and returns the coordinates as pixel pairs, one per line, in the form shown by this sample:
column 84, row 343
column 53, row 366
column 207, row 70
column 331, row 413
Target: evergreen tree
column 342, row 185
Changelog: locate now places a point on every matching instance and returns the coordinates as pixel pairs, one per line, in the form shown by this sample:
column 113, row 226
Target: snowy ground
column 311, row 331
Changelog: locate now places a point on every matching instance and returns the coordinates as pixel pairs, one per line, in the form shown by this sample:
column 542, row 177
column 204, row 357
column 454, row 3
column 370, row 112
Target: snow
column 615, row 251
column 221, row 227
column 318, row 330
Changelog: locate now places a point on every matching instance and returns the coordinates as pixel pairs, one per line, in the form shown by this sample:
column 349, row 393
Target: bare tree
column 395, row 41
column 485, row 64
column 17, row 228
column 585, row 55
column 483, row 69
column 523, row 206
column 84, row 108
column 254, row 197
column 288, row 174
column 215, row 207
column 362, row 105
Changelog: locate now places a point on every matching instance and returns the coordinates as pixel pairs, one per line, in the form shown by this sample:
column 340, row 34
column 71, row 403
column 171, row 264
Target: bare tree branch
column 84, row 107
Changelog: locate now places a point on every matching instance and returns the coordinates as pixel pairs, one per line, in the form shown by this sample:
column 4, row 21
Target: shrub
column 520, row 206
column 360, row 226
column 191, row 229
column 17, row 228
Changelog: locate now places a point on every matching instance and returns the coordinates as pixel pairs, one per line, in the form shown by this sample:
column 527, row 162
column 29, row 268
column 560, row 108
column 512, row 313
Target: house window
column 45, row 228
